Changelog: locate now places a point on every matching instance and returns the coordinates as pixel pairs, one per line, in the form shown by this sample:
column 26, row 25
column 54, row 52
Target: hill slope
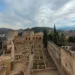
column 67, row 28
column 4, row 30
column 40, row 29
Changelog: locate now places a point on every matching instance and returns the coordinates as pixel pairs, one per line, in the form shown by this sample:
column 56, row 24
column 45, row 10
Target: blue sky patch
column 3, row 6
column 73, row 20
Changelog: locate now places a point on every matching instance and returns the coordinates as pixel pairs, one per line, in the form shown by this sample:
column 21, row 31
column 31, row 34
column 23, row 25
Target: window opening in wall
column 29, row 38
column 26, row 38
column 39, row 46
column 36, row 38
column 66, row 47
column 66, row 64
column 40, row 38
column 33, row 38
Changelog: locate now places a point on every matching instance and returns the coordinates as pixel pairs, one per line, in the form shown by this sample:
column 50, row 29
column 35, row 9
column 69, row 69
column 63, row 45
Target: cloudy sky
column 31, row 13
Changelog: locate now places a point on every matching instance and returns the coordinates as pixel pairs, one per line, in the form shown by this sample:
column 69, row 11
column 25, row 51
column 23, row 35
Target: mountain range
column 40, row 29
column 67, row 28
column 4, row 30
column 36, row 29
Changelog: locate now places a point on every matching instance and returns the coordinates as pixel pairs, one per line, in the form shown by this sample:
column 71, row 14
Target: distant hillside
column 4, row 30
column 35, row 29
column 67, row 28
column 40, row 29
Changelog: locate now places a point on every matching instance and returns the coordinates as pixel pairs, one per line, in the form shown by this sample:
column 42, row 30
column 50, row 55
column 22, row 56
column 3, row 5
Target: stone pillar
column 7, row 63
column 8, row 67
column 12, row 50
column 30, row 64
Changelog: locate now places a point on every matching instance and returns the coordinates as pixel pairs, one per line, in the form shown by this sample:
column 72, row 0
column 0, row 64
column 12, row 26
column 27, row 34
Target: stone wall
column 63, row 58
column 66, row 62
column 12, row 34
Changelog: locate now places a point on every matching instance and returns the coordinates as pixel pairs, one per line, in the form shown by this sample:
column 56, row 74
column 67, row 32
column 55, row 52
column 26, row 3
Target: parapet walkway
column 54, row 52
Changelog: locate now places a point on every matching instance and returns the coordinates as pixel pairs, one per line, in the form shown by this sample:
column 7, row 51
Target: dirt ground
column 49, row 72
column 49, row 64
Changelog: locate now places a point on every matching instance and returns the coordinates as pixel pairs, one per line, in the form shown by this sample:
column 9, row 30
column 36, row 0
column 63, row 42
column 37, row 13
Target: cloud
column 29, row 13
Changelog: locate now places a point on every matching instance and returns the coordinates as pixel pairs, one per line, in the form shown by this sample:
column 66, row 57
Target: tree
column 71, row 39
column 50, row 37
column 62, row 39
column 45, row 38
column 55, row 29
column 57, row 37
